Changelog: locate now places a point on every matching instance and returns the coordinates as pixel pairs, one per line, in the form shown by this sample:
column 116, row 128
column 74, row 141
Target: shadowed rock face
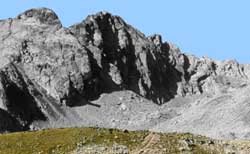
column 123, row 58
column 44, row 65
column 17, row 103
column 8, row 123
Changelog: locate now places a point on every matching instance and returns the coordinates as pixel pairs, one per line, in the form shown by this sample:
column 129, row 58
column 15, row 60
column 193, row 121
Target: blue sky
column 219, row 29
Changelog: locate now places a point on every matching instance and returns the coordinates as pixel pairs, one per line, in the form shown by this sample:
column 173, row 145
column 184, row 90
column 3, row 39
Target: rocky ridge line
column 72, row 66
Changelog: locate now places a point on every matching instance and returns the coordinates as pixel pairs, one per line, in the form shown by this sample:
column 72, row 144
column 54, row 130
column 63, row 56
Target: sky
column 219, row 29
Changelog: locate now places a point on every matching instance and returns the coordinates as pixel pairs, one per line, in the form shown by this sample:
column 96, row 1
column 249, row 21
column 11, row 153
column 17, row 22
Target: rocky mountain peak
column 106, row 17
column 50, row 67
column 103, row 54
column 41, row 15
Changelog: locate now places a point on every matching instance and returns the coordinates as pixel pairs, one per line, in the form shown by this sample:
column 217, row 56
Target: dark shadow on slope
column 101, row 81
column 83, row 102
column 19, row 102
column 186, row 66
column 8, row 123
column 164, row 75
column 132, row 75
column 22, row 105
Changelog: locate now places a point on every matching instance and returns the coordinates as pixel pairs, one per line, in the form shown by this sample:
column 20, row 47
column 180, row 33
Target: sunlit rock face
column 49, row 72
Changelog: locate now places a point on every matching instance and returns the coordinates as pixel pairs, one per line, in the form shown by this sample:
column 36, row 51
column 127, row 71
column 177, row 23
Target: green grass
column 67, row 140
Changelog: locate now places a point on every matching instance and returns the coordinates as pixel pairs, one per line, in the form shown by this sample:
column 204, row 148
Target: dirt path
column 148, row 144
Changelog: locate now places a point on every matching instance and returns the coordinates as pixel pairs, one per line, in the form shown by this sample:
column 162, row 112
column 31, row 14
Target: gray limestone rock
column 53, row 76
column 123, row 58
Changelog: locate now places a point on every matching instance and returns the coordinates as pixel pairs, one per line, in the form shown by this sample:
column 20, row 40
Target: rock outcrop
column 123, row 58
column 45, row 68
column 18, row 106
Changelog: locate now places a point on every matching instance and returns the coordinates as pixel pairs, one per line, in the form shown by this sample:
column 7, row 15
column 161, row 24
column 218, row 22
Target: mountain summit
column 103, row 72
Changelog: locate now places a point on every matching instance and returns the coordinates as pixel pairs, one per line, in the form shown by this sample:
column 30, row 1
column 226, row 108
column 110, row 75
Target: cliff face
column 45, row 66
column 123, row 58
column 101, row 54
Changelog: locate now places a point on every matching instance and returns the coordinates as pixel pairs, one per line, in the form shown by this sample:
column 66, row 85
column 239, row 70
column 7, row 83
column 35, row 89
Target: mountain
column 103, row 72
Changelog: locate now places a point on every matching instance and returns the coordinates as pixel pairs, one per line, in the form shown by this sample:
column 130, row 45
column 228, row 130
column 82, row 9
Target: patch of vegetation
column 67, row 140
